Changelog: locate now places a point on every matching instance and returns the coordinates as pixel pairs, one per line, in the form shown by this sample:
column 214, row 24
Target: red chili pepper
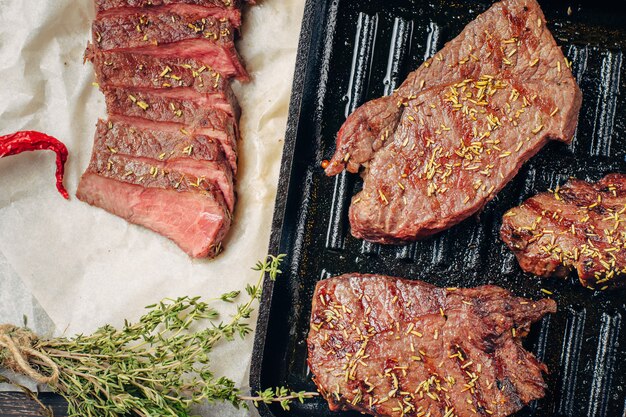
column 35, row 141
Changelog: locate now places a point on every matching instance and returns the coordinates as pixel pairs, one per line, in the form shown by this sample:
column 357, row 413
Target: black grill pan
column 353, row 51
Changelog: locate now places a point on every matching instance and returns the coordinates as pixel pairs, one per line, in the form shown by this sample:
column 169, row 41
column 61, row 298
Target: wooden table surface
column 17, row 404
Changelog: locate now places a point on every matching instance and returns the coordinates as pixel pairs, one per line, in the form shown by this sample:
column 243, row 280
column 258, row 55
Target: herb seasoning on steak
column 577, row 226
column 392, row 347
column 459, row 128
column 198, row 156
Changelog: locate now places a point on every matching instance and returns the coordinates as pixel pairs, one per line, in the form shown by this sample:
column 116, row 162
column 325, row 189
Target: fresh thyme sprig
column 158, row 366
column 279, row 394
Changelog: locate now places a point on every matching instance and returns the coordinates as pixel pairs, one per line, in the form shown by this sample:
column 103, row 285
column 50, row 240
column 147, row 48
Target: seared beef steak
column 181, row 197
column 222, row 9
column 196, row 221
column 167, row 157
column 459, row 128
column 198, row 156
column 145, row 72
column 174, row 106
column 392, row 347
column 194, row 30
column 577, row 226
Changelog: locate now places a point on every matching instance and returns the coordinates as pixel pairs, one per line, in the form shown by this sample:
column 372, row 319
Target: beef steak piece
column 391, row 347
column 460, row 127
column 177, row 106
column 168, row 30
column 576, row 227
column 167, row 157
column 197, row 223
column 180, row 206
column 199, row 157
column 221, row 9
column 145, row 72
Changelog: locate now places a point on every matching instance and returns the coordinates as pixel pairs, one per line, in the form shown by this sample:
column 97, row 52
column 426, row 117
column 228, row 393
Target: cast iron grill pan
column 354, row 51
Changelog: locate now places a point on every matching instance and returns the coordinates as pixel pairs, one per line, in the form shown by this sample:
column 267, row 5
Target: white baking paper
column 83, row 266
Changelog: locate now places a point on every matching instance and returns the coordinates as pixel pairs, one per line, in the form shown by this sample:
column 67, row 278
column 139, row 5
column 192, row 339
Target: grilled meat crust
column 459, row 128
column 576, row 227
column 392, row 347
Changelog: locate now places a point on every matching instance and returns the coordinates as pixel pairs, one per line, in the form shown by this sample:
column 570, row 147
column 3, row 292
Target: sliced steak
column 102, row 5
column 174, row 106
column 167, row 156
column 138, row 71
column 188, row 210
column 176, row 26
column 217, row 58
column 390, row 347
column 221, row 9
column 195, row 222
column 577, row 226
column 149, row 173
column 460, row 127
column 198, row 157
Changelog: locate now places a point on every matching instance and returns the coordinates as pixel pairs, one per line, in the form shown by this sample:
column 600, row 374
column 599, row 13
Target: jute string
column 18, row 343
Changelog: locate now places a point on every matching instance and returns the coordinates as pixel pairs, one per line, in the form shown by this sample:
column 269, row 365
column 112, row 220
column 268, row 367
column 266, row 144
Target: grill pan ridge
column 353, row 51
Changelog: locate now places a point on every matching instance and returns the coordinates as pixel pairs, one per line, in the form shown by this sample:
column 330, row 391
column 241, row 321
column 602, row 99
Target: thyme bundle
column 158, row 366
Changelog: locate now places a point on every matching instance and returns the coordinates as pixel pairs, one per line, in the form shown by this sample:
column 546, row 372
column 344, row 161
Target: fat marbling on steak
column 392, row 347
column 460, row 127
column 578, row 226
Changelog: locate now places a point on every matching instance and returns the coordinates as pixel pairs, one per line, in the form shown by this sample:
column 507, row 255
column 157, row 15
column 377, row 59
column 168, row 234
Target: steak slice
column 460, row 127
column 221, row 9
column 218, row 58
column 149, row 193
column 196, row 156
column 195, row 222
column 138, row 71
column 175, row 106
column 390, row 347
column 180, row 27
column 576, row 227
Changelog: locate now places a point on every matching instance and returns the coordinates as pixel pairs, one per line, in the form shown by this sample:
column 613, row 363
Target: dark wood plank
column 17, row 404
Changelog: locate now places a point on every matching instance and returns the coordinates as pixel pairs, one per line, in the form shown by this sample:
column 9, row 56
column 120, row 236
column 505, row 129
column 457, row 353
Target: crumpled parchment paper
column 83, row 266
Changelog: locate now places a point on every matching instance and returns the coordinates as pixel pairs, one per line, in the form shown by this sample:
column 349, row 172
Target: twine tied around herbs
column 17, row 344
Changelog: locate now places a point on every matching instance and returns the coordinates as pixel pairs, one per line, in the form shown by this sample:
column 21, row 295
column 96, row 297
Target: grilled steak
column 181, row 27
column 221, row 9
column 459, row 128
column 577, row 226
column 167, row 156
column 199, row 157
column 392, row 347
column 195, row 221
column 138, row 71
column 158, row 195
column 192, row 113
